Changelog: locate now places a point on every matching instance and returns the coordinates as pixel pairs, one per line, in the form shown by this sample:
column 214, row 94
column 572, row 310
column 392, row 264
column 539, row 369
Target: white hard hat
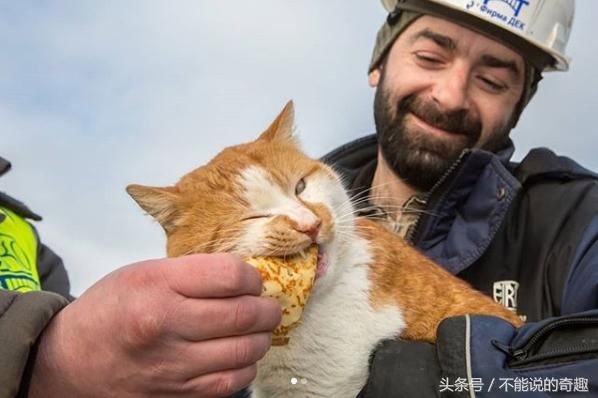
column 537, row 27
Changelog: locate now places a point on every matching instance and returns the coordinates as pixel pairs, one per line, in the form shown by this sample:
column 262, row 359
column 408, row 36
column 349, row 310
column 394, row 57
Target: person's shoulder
column 557, row 188
column 543, row 164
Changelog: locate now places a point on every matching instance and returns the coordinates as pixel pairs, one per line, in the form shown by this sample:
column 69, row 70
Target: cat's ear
column 282, row 127
column 160, row 203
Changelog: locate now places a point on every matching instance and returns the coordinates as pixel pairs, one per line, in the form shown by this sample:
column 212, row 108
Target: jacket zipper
column 523, row 352
column 432, row 198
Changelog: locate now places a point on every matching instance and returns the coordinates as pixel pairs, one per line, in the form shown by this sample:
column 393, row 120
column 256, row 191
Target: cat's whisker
column 346, row 206
column 349, row 218
column 399, row 209
column 367, row 200
column 357, row 198
column 402, row 210
column 373, row 187
column 363, row 196
column 365, row 193
column 345, row 216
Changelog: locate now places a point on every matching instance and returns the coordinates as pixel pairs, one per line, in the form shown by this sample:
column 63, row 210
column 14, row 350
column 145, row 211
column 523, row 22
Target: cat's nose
column 312, row 230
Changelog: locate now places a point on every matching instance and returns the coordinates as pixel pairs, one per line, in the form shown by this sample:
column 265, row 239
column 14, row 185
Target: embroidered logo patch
column 505, row 293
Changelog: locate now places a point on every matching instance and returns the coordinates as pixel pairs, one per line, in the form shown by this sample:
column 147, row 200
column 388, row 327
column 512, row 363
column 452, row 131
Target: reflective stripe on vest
column 18, row 253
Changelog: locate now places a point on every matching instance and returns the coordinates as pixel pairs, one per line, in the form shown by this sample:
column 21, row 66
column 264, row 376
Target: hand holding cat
column 183, row 327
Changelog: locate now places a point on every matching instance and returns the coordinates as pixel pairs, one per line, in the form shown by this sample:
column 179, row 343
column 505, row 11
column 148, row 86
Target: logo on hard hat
column 516, row 5
column 505, row 12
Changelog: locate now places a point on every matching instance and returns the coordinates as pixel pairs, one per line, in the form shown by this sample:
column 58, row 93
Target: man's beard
column 417, row 157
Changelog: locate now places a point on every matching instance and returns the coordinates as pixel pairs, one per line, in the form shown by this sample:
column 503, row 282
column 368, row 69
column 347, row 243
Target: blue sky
column 95, row 95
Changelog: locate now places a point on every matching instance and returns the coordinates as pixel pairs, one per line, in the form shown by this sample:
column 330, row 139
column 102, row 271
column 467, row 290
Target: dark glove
column 401, row 368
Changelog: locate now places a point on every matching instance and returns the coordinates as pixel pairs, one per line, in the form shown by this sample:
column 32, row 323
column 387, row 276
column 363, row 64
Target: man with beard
column 452, row 79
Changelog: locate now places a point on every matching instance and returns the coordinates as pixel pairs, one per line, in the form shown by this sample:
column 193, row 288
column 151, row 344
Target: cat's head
column 265, row 197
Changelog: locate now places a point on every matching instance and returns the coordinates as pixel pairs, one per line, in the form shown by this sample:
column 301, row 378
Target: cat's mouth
column 322, row 266
column 322, row 260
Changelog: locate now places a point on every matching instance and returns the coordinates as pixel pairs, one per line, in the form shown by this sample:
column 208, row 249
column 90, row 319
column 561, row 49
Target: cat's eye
column 300, row 187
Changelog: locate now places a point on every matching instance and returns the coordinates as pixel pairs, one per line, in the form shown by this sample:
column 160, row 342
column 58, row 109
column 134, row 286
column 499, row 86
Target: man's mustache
column 456, row 122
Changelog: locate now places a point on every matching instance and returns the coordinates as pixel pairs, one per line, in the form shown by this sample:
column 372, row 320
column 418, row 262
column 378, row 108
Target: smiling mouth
column 433, row 129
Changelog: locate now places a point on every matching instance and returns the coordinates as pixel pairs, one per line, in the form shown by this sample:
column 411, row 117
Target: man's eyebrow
column 493, row 62
column 449, row 44
column 441, row 40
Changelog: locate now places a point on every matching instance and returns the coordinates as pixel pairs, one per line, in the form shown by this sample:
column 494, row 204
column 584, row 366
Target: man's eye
column 492, row 85
column 428, row 58
column 300, row 187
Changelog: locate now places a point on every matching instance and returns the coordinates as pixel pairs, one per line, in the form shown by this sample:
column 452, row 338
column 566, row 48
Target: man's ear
column 374, row 77
column 158, row 202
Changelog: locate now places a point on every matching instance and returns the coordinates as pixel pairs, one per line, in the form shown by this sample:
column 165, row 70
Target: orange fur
column 425, row 292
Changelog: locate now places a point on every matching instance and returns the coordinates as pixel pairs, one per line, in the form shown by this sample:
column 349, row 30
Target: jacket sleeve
column 23, row 316
column 52, row 273
column 581, row 290
column 486, row 357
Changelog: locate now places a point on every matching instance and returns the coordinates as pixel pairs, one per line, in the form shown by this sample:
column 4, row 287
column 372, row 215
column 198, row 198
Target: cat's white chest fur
column 327, row 355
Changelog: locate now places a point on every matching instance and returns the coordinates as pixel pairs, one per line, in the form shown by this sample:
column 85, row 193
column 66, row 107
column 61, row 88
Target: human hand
column 191, row 326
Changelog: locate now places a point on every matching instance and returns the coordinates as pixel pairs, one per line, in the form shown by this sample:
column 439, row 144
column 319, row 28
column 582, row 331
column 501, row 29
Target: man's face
column 441, row 89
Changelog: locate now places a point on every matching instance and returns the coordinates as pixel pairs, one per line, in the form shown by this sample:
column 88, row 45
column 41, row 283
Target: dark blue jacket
column 526, row 234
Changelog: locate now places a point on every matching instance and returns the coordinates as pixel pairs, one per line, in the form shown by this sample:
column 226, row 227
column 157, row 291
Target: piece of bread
column 288, row 279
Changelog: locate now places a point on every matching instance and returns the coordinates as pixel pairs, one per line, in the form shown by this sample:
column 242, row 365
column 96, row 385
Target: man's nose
column 451, row 89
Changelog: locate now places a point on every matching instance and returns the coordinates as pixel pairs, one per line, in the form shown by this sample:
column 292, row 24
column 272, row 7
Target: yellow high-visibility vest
column 18, row 253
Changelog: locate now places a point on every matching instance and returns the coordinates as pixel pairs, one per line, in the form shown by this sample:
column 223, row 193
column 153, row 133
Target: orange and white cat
column 267, row 197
